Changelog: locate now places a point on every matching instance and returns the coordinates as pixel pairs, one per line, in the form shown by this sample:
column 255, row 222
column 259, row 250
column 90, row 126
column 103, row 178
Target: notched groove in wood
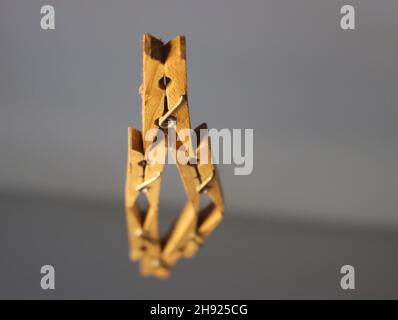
column 155, row 48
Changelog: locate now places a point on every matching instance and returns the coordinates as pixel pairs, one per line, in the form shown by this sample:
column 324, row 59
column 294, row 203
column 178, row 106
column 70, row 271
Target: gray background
column 322, row 102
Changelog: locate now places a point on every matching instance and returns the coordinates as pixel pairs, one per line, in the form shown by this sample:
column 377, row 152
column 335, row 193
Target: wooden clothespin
column 165, row 106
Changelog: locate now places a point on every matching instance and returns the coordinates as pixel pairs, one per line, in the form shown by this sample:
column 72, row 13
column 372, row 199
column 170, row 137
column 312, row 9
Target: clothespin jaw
column 165, row 106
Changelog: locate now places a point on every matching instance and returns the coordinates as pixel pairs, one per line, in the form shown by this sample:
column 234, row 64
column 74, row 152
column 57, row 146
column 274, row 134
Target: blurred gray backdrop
column 323, row 105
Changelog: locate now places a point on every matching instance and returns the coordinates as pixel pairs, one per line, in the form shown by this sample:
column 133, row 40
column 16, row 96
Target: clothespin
column 193, row 225
column 165, row 106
